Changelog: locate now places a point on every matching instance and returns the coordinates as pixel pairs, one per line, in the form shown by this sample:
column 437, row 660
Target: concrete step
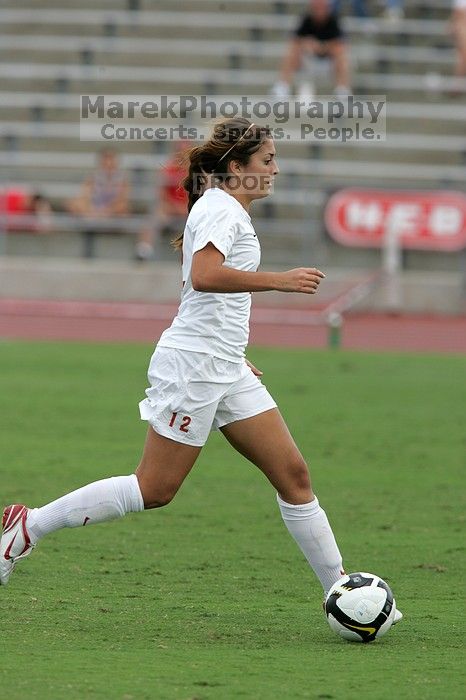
column 41, row 136
column 293, row 7
column 404, row 116
column 182, row 17
column 375, row 8
column 55, row 136
column 381, row 170
column 64, row 279
column 215, row 53
column 158, row 80
column 204, row 85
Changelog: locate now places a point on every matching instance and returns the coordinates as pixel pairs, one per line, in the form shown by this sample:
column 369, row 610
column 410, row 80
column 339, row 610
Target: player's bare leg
column 164, row 466
column 291, row 62
column 266, row 442
column 338, row 51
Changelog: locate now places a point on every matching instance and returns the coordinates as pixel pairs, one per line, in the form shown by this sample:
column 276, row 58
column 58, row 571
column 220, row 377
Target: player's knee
column 299, row 479
column 300, row 471
column 156, row 495
column 159, row 498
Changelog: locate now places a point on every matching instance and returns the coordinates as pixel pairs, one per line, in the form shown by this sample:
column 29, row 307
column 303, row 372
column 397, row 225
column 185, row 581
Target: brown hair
column 232, row 139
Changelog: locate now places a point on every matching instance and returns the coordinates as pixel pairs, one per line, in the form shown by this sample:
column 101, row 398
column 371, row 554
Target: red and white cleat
column 16, row 542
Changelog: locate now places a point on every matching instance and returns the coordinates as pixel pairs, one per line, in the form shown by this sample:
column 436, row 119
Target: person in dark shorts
column 318, row 36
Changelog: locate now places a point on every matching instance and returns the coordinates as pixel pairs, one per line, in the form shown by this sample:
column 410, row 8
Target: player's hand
column 302, row 279
column 254, row 370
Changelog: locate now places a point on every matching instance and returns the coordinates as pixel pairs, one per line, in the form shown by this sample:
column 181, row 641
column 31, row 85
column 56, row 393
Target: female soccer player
column 199, row 377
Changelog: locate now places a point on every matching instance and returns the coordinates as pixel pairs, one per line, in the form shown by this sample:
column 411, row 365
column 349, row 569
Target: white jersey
column 217, row 324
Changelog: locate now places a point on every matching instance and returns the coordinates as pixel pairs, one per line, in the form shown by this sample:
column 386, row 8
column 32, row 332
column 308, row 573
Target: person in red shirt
column 171, row 207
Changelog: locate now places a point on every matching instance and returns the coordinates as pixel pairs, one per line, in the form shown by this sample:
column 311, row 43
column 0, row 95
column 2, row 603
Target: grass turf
column 209, row 598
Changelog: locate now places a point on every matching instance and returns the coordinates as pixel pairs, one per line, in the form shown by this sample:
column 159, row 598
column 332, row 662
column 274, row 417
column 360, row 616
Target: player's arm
column 254, row 369
column 208, row 274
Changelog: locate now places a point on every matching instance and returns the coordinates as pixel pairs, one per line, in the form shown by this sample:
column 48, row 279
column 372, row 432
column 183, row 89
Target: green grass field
column 209, row 598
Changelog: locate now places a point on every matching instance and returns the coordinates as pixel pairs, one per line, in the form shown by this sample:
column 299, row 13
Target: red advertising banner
column 429, row 220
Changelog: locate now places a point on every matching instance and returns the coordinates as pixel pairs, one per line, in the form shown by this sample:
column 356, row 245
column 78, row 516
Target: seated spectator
column 359, row 8
column 318, row 35
column 24, row 210
column 458, row 23
column 394, row 11
column 103, row 196
column 171, row 209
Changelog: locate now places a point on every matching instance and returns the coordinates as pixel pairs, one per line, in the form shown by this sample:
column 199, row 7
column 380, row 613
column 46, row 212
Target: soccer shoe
column 16, row 542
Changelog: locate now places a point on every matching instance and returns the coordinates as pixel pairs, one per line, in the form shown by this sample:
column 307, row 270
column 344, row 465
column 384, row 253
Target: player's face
column 257, row 177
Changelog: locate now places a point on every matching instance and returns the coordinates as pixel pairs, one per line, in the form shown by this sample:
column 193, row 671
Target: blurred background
column 334, row 204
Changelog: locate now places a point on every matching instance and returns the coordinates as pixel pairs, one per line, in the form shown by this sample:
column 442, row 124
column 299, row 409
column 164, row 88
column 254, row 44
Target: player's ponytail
column 232, row 139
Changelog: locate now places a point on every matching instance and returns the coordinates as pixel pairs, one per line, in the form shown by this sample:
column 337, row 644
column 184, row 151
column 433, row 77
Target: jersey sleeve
column 216, row 227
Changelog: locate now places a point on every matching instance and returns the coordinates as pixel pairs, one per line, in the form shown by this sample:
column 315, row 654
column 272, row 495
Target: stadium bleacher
column 49, row 56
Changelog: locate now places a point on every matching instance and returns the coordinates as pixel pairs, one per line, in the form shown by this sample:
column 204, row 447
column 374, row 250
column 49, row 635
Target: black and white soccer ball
column 360, row 607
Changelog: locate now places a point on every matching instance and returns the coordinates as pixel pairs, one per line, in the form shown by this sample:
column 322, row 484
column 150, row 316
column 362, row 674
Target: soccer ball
column 360, row 607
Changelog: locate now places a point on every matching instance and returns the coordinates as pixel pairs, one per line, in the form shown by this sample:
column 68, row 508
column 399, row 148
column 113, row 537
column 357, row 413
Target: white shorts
column 192, row 393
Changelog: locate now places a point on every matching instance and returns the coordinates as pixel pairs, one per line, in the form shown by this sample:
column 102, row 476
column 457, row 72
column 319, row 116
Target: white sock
column 95, row 503
column 308, row 525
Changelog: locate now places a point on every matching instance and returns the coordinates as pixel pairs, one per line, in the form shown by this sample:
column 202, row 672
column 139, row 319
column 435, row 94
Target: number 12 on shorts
column 185, row 421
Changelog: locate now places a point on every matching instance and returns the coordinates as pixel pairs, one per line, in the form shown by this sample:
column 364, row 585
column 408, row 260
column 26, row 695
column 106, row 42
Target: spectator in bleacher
column 319, row 36
column 358, row 7
column 104, row 195
column 393, row 10
column 171, row 204
column 458, row 22
column 25, row 210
